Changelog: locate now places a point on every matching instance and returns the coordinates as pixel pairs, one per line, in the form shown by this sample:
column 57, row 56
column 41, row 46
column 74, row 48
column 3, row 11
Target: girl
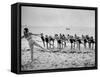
column 28, row 36
column 47, row 40
column 43, row 39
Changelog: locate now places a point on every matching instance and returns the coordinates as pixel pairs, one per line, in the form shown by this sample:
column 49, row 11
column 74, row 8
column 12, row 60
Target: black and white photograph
column 56, row 38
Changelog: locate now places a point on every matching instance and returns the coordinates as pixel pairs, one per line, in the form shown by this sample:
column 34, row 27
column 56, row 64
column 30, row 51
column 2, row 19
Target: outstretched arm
column 22, row 37
column 36, row 34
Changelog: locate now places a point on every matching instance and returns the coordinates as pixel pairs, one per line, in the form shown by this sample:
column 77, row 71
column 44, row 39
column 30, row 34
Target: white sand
column 66, row 58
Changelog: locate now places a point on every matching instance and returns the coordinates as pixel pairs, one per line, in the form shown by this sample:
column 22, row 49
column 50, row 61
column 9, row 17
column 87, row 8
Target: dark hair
column 41, row 34
column 26, row 30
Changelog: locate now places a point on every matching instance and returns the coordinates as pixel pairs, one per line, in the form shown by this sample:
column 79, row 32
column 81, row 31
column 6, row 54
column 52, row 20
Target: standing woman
column 56, row 38
column 71, row 41
column 58, row 41
column 79, row 42
column 92, row 42
column 51, row 41
column 28, row 37
column 64, row 40
column 88, row 40
column 47, row 40
column 84, row 40
column 43, row 39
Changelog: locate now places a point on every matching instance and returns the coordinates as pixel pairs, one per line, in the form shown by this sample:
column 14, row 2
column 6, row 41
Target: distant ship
column 67, row 28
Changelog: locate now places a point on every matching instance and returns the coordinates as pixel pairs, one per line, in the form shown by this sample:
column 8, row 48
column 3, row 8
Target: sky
column 55, row 20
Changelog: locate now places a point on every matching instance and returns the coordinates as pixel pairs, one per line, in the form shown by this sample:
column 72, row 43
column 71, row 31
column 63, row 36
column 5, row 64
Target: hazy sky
column 54, row 20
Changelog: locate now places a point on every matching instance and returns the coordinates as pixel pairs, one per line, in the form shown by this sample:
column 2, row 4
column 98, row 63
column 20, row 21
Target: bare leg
column 47, row 45
column 65, row 43
column 53, row 44
column 36, row 44
column 32, row 46
column 60, row 46
column 92, row 45
column 84, row 45
column 50, row 44
column 57, row 45
column 71, row 45
column 74, row 44
column 44, row 43
column 79, row 46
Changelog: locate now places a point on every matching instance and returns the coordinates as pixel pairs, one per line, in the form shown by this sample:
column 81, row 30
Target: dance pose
column 32, row 43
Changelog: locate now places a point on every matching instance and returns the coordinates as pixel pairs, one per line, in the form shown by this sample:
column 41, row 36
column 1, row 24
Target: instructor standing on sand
column 28, row 37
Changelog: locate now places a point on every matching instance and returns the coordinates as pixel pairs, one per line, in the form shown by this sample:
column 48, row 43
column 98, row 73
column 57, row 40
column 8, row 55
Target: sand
column 55, row 59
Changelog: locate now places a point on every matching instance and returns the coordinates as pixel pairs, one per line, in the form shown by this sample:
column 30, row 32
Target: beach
column 54, row 58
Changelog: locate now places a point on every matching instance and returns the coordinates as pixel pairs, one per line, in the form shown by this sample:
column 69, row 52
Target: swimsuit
column 47, row 40
column 30, row 40
column 42, row 38
column 59, row 41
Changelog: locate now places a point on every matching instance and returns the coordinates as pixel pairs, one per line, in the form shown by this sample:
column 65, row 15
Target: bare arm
column 22, row 37
column 36, row 34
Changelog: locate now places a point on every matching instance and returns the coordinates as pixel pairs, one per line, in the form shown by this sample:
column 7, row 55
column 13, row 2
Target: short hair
column 41, row 33
column 26, row 29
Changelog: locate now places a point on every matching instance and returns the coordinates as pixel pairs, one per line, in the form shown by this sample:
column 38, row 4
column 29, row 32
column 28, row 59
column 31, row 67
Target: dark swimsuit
column 71, row 40
column 59, row 41
column 42, row 38
column 51, row 39
column 79, row 41
column 85, row 40
column 47, row 40
column 92, row 41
